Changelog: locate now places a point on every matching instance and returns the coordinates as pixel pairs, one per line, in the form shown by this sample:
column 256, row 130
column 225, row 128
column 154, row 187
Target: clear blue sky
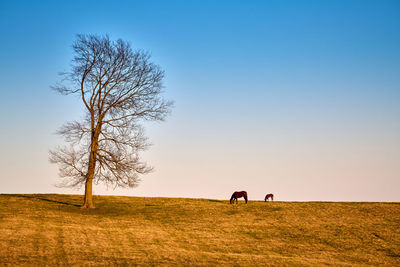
column 297, row 98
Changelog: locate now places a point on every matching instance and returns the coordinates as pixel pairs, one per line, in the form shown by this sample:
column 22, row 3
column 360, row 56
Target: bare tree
column 119, row 88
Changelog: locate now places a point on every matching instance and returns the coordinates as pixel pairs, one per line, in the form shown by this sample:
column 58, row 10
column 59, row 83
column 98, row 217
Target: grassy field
column 52, row 230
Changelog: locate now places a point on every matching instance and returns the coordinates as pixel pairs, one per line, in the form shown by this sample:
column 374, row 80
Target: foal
column 271, row 196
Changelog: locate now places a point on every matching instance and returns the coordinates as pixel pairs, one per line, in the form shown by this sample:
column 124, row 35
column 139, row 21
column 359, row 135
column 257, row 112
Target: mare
column 271, row 196
column 238, row 194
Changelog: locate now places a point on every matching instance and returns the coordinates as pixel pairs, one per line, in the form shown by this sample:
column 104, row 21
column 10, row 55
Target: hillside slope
column 53, row 230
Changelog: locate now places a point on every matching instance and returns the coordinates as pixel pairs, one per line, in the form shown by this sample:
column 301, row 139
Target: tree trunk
column 88, row 201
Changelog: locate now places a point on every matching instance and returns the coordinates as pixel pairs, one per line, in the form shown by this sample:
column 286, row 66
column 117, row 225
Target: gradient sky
column 297, row 98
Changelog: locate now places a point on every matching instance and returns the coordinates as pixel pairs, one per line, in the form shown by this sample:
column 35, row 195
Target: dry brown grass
column 51, row 230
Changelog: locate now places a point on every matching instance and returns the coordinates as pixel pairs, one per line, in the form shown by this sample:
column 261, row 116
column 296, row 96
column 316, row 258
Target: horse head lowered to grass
column 269, row 196
column 238, row 194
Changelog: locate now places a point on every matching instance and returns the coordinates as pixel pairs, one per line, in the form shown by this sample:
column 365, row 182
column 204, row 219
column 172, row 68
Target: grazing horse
column 238, row 194
column 271, row 196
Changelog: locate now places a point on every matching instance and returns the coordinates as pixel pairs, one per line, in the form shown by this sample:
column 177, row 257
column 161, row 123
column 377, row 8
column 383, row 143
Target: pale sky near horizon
column 296, row 98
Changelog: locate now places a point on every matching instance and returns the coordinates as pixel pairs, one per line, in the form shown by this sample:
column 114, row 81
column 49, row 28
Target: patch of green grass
column 52, row 230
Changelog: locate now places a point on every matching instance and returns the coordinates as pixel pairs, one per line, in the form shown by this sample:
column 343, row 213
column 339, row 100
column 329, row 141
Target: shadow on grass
column 215, row 200
column 44, row 199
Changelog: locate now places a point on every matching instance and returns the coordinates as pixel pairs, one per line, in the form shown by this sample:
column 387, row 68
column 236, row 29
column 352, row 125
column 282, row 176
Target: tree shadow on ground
column 216, row 200
column 38, row 197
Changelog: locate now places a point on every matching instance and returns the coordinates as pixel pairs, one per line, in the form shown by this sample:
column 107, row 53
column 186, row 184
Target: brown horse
column 238, row 194
column 271, row 196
